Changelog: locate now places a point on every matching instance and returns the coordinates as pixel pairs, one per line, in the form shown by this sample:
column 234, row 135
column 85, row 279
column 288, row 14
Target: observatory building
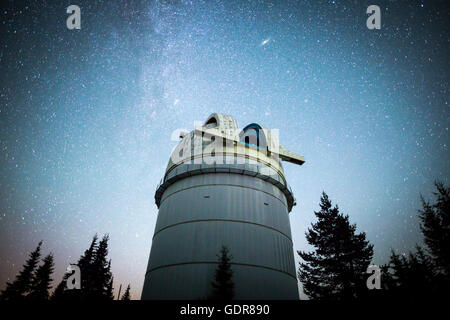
column 224, row 187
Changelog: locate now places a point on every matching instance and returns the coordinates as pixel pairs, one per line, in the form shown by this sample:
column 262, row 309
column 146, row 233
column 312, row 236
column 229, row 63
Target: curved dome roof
column 225, row 126
column 222, row 125
column 222, row 121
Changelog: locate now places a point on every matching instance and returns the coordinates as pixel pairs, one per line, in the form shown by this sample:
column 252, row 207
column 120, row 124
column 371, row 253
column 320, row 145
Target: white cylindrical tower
column 224, row 187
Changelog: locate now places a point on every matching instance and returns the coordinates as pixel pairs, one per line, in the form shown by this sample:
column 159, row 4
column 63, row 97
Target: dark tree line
column 424, row 273
column 34, row 281
column 96, row 276
column 336, row 268
column 126, row 295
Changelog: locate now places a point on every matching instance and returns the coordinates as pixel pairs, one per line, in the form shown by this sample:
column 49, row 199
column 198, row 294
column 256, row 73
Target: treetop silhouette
column 336, row 268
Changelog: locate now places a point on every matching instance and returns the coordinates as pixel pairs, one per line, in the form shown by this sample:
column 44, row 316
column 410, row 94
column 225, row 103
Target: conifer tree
column 421, row 273
column 101, row 272
column 411, row 275
column 86, row 268
column 435, row 227
column 41, row 283
column 336, row 269
column 223, row 286
column 22, row 284
column 126, row 294
column 59, row 292
column 109, row 293
column 96, row 276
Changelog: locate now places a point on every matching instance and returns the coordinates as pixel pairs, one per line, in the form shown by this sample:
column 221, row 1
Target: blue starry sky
column 87, row 116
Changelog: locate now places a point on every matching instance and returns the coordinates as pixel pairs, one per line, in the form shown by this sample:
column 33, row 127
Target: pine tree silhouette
column 126, row 294
column 336, row 269
column 87, row 272
column 422, row 274
column 412, row 275
column 96, row 276
column 109, row 294
column 41, row 283
column 22, row 284
column 223, row 286
column 435, row 227
column 101, row 272
column 59, row 294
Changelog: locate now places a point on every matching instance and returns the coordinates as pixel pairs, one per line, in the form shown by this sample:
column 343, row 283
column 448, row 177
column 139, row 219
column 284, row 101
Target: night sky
column 87, row 116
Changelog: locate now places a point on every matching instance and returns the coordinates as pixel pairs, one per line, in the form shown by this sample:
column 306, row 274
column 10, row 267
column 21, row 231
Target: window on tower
column 253, row 136
column 211, row 123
